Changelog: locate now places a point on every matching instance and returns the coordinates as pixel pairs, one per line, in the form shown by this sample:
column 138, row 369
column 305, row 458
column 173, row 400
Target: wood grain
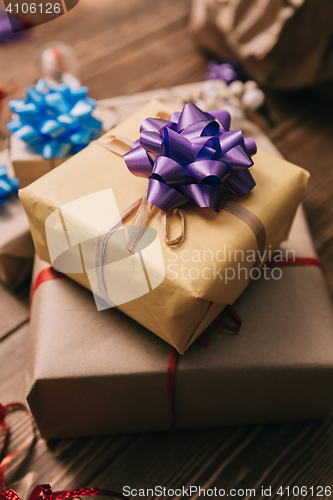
column 126, row 47
column 14, row 310
column 306, row 140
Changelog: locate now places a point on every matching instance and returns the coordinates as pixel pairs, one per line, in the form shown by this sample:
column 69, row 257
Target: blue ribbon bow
column 7, row 186
column 55, row 122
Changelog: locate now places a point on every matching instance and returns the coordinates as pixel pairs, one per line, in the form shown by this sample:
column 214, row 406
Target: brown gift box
column 29, row 166
column 16, row 246
column 101, row 372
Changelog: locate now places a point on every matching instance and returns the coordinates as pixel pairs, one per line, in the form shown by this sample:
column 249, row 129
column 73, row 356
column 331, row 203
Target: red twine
column 205, row 338
column 4, row 410
column 46, row 274
column 173, row 355
column 44, row 491
column 297, row 261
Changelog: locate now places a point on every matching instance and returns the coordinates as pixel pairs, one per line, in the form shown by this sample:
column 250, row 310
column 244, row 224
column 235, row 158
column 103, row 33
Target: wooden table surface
column 126, row 47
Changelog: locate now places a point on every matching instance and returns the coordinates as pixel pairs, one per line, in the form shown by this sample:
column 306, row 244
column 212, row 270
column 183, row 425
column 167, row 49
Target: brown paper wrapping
column 16, row 246
column 95, row 372
column 282, row 45
column 29, row 166
column 177, row 310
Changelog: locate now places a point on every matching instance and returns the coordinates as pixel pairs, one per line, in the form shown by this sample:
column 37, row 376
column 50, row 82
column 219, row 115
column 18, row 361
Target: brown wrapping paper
column 95, row 372
column 29, row 166
column 179, row 309
column 16, row 246
column 283, row 45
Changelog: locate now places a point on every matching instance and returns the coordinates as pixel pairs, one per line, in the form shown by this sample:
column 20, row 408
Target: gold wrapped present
column 174, row 292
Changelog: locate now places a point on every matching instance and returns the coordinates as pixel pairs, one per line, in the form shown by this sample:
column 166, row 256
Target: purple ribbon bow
column 192, row 157
column 228, row 72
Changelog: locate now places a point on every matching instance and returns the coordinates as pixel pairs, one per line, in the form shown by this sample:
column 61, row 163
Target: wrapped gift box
column 100, row 372
column 16, row 246
column 177, row 310
column 30, row 166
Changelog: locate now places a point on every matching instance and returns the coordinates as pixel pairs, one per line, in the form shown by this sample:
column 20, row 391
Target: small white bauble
column 250, row 84
column 210, row 87
column 236, row 88
column 253, row 99
column 234, row 101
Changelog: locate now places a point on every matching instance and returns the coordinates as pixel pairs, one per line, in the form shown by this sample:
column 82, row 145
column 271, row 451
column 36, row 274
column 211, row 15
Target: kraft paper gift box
column 87, row 191
column 16, row 246
column 29, row 166
column 93, row 372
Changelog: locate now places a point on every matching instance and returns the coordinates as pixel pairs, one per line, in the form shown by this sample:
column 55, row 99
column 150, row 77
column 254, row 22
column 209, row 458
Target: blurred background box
column 16, row 246
column 281, row 44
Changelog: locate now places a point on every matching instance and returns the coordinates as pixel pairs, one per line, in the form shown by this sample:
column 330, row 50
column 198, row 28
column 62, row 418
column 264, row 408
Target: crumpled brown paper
column 281, row 44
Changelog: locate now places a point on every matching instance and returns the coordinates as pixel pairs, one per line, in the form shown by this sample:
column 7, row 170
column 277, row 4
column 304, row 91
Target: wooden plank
column 14, row 309
column 57, row 462
column 230, row 457
column 127, row 47
column 306, row 139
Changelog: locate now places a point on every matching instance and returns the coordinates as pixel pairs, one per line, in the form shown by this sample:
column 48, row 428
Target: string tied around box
column 191, row 156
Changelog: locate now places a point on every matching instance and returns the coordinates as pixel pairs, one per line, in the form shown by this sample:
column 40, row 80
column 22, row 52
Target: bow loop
column 170, row 172
column 152, row 142
column 190, row 115
column 230, row 140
